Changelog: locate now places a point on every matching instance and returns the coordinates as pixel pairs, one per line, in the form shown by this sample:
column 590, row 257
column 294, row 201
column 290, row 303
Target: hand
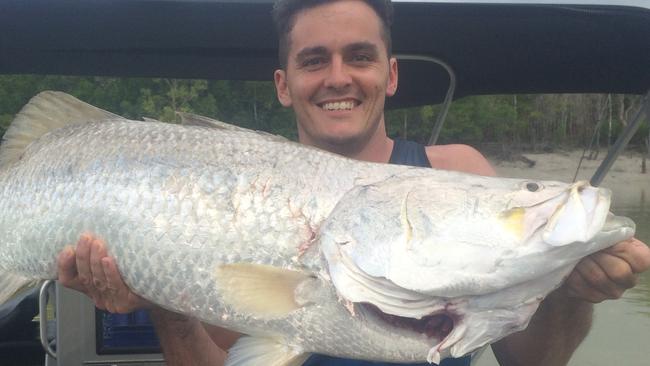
column 607, row 274
column 90, row 270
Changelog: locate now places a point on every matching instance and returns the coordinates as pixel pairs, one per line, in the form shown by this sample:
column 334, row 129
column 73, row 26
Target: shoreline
column 625, row 178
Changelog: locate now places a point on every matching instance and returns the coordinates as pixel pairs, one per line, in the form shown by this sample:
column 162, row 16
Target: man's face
column 337, row 74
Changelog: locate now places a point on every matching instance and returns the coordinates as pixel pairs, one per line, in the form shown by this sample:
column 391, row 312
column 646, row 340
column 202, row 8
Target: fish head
column 415, row 231
column 420, row 247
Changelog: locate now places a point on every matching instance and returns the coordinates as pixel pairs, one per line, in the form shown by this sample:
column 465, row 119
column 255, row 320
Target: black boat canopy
column 494, row 47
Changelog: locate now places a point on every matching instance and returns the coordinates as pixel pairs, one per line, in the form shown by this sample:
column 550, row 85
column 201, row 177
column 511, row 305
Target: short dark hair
column 285, row 11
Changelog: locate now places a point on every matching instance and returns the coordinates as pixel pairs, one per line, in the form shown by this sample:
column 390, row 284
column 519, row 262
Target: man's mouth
column 343, row 105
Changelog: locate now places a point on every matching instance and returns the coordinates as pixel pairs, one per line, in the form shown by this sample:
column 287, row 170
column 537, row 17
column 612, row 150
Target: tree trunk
column 647, row 154
column 609, row 129
column 172, row 92
column 255, row 106
column 621, row 109
column 564, row 117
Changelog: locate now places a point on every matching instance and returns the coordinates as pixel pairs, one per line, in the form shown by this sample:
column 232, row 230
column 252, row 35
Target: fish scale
column 288, row 243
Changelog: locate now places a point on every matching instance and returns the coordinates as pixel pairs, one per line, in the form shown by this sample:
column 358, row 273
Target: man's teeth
column 336, row 106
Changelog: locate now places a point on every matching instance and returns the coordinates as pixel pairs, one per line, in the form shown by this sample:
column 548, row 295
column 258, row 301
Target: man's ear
column 281, row 87
column 391, row 88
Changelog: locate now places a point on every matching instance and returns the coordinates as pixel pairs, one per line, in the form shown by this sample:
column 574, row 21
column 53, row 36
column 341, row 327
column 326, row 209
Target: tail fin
column 45, row 112
column 11, row 284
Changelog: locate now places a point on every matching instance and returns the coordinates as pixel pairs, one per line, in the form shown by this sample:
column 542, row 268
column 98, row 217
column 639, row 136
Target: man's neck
column 377, row 152
column 377, row 149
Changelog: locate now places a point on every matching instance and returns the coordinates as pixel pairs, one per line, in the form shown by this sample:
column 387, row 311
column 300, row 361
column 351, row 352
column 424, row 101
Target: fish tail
column 47, row 111
column 11, row 284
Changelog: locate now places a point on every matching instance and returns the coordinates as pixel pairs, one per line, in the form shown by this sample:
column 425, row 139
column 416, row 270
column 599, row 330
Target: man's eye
column 312, row 62
column 361, row 58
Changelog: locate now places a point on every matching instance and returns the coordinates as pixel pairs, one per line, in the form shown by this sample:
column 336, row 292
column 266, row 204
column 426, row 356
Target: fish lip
column 614, row 223
column 594, row 217
column 437, row 325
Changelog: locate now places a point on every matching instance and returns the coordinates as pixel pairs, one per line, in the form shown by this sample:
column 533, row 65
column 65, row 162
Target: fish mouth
column 434, row 326
column 579, row 217
column 615, row 229
column 617, row 223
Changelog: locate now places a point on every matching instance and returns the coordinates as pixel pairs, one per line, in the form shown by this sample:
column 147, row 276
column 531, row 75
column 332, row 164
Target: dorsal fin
column 190, row 119
column 47, row 111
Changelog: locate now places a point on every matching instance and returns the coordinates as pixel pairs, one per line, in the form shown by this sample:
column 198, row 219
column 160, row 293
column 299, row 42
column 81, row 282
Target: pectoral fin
column 261, row 290
column 251, row 351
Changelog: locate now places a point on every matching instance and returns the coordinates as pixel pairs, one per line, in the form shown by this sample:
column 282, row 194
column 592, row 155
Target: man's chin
column 342, row 141
column 344, row 145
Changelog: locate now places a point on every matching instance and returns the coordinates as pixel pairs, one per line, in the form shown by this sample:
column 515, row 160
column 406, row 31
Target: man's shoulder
column 459, row 157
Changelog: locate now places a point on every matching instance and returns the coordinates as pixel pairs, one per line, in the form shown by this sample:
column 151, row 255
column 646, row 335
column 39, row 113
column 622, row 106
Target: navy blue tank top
column 404, row 153
column 409, row 153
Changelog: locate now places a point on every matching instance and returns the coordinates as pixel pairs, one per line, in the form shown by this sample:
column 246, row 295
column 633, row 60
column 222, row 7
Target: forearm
column 554, row 333
column 184, row 340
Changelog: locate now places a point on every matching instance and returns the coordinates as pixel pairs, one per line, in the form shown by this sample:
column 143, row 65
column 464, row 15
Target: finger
column 124, row 299
column 67, row 269
column 101, row 304
column 578, row 288
column 108, row 305
column 119, row 298
column 616, row 269
column 596, row 278
column 97, row 252
column 82, row 256
column 83, row 266
column 114, row 280
column 634, row 252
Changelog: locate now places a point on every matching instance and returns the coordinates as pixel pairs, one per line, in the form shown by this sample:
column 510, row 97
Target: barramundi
column 300, row 249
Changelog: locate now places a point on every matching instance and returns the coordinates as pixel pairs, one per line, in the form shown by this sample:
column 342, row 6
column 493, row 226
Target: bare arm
column 461, row 158
column 553, row 334
column 185, row 340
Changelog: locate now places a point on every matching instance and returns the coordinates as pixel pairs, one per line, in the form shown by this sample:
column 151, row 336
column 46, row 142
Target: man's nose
column 338, row 75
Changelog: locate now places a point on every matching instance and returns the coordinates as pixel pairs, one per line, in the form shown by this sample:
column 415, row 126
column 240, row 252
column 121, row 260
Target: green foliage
column 5, row 119
column 519, row 121
column 249, row 104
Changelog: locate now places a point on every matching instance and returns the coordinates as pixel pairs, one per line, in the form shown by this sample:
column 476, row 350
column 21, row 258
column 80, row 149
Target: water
column 621, row 330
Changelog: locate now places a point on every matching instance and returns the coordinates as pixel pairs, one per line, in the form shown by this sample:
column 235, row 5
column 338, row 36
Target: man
column 336, row 71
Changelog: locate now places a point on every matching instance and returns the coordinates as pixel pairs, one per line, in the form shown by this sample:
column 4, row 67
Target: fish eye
column 533, row 187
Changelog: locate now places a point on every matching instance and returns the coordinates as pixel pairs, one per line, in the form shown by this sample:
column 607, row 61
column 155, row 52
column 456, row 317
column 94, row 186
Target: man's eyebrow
column 362, row 46
column 311, row 51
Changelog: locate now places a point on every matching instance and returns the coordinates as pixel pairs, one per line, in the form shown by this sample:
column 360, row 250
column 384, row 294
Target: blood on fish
column 437, row 325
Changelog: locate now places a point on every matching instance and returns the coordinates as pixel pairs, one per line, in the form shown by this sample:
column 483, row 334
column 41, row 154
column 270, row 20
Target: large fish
column 301, row 249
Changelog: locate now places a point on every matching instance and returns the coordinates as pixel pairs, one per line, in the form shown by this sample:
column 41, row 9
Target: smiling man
column 337, row 70
column 336, row 74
